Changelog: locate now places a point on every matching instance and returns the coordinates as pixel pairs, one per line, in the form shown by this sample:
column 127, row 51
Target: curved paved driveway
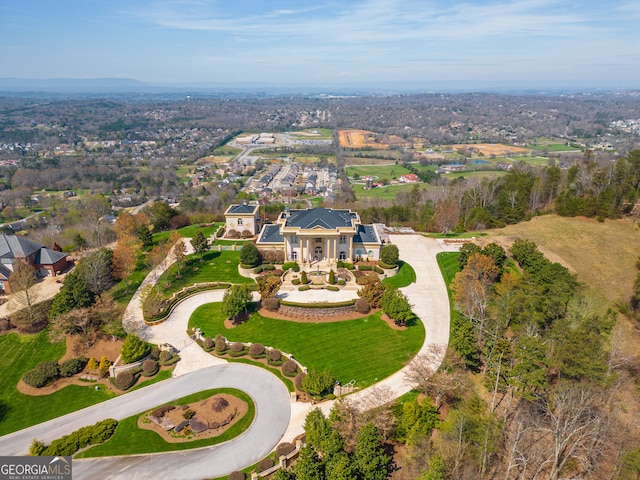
column 272, row 418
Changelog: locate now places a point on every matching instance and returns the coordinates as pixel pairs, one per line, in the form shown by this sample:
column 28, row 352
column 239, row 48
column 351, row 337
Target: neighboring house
column 409, row 178
column 242, row 217
column 321, row 234
column 14, row 248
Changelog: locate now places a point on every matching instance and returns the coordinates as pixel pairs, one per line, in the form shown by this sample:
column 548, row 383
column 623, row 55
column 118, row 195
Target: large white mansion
column 311, row 235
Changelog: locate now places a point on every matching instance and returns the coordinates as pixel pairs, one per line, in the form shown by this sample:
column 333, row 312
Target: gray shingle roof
column 365, row 234
column 13, row 246
column 47, row 256
column 271, row 234
column 242, row 209
column 319, row 217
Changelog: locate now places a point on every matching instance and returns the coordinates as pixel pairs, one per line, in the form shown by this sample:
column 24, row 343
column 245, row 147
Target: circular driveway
column 273, row 413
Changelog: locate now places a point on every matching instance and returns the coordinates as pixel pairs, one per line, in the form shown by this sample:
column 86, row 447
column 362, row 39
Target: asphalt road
column 273, row 412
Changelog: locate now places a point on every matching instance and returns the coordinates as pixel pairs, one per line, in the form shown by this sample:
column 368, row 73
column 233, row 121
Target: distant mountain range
column 129, row 86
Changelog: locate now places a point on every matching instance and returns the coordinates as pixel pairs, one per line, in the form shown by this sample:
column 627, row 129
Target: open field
column 476, row 174
column 602, row 254
column 359, row 139
column 385, row 193
column 314, row 134
column 357, row 161
column 552, row 145
column 389, row 172
column 222, row 157
column 488, row 149
column 360, row 350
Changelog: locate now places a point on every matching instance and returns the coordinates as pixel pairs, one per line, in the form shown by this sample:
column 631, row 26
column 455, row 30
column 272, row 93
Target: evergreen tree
column 73, row 294
column 370, row 459
column 308, row 465
column 144, row 235
column 199, row 243
column 235, row 300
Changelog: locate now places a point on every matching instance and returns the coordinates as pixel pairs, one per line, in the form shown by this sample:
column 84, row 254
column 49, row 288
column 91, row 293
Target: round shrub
column 289, row 367
column 249, row 255
column 272, row 304
column 125, row 379
column 291, row 265
column 237, row 347
column 256, row 350
column 149, row 367
column 43, row 374
column 295, row 281
column 389, row 254
column 208, row 343
column 362, row 306
column 275, row 355
column 165, row 356
column 72, row 366
column 265, row 464
column 221, row 345
column 155, row 352
column 298, row 381
column 236, row 476
column 219, row 404
column 332, row 277
column 285, row 448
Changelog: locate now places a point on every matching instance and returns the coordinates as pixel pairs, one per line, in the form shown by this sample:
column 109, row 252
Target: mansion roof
column 242, row 209
column 320, row 217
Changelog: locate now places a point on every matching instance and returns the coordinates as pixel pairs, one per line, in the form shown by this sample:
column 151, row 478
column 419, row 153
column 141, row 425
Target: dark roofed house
column 244, row 216
column 15, row 248
column 321, row 234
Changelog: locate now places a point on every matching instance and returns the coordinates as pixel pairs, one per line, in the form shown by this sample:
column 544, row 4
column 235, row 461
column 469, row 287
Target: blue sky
column 437, row 43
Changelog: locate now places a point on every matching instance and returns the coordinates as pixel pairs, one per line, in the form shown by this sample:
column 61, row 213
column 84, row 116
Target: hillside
column 602, row 254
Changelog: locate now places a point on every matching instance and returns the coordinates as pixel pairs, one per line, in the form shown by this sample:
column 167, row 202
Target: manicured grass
column 555, row 147
column 188, row 232
column 214, row 267
column 18, row 411
column 319, row 134
column 455, row 235
column 449, row 266
column 160, row 376
column 360, row 350
column 128, row 439
column 406, row 276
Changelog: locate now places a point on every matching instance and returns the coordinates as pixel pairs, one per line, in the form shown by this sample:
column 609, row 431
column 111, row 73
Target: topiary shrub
column 256, row 350
column 149, row 367
column 333, row 288
column 92, row 364
column 236, row 476
column 249, row 255
column 299, row 380
column 219, row 404
column 237, row 347
column 365, row 268
column 285, row 448
column 295, row 281
column 42, row 374
column 362, row 306
column 155, row 352
column 290, row 368
column 221, row 345
column 72, row 366
column 125, row 379
column 332, row 277
column 390, row 255
column 291, row 265
column 208, row 343
column 303, row 278
column 265, row 464
column 165, row 355
column 275, row 355
column 304, row 288
column 341, row 282
column 272, row 304
column 268, row 268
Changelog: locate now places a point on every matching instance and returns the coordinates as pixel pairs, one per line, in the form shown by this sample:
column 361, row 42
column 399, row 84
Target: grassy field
column 313, row 134
column 602, row 254
column 388, row 172
column 17, row 411
column 188, row 232
column 362, row 350
column 406, row 276
column 128, row 439
column 476, row 174
column 385, row 193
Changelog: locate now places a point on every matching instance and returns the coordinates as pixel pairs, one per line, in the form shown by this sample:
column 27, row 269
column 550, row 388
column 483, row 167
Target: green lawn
column 128, row 439
column 386, row 193
column 360, row 350
column 323, row 134
column 406, row 276
column 160, row 376
column 381, row 171
column 17, row 411
column 449, row 266
column 214, row 267
column 188, row 232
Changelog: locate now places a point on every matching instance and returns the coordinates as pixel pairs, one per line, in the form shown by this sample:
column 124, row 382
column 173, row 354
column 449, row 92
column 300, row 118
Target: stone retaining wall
column 316, row 312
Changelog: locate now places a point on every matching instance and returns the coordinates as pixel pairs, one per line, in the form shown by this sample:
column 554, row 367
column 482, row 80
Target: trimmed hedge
column 257, row 350
column 295, row 281
column 377, row 269
column 81, row 438
column 184, row 293
column 381, row 264
column 208, row 344
column 265, row 464
column 365, row 268
column 174, row 359
column 342, row 264
column 125, row 380
column 42, row 374
column 333, row 288
column 268, row 267
column 275, row 355
column 346, row 303
column 290, row 368
column 72, row 366
column 149, row 368
column 272, row 304
column 291, row 265
column 164, row 356
column 221, row 345
column 304, row 288
column 362, row 306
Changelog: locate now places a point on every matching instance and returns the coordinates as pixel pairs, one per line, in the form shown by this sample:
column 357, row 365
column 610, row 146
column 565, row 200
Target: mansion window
column 239, row 221
column 294, row 255
column 342, row 256
column 294, row 240
column 343, row 239
column 318, row 239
